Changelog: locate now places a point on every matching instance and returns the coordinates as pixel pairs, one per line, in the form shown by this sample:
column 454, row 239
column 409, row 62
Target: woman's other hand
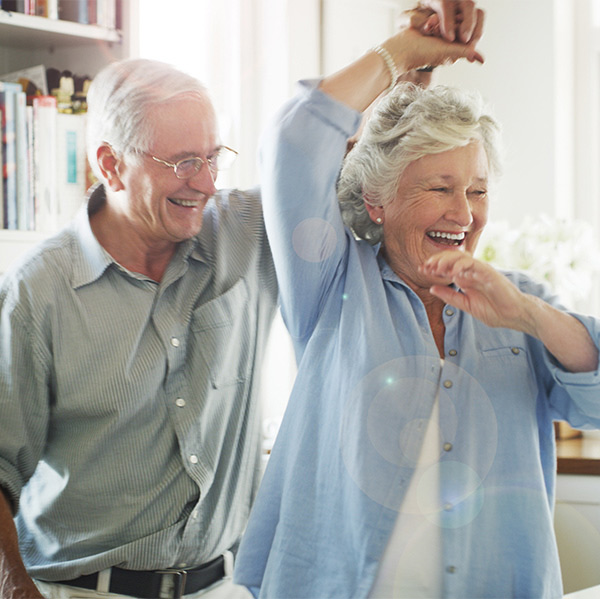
column 490, row 297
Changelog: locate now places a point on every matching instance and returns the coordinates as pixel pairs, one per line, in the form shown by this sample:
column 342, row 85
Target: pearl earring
column 379, row 220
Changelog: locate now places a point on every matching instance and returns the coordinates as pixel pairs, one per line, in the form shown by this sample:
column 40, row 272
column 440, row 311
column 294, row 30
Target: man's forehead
column 185, row 124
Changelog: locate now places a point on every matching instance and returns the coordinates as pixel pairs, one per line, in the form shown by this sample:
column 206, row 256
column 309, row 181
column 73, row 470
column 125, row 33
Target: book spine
column 73, row 10
column 44, row 163
column 22, row 162
column 2, row 122
column 71, row 165
column 9, row 171
column 30, row 170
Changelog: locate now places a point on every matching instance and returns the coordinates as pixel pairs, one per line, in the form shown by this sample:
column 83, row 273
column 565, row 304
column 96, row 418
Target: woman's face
column 442, row 204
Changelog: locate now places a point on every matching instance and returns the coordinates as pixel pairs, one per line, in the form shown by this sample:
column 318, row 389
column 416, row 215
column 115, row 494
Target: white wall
column 520, row 78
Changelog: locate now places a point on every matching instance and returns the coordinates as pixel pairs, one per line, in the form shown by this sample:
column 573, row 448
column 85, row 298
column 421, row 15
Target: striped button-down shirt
column 129, row 419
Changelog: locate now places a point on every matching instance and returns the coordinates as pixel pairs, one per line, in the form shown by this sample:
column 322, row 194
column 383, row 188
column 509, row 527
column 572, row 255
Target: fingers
column 456, row 23
column 449, row 265
column 478, row 29
column 458, row 20
column 450, row 296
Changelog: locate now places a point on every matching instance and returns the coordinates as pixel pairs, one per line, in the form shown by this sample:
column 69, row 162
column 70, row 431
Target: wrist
column 393, row 71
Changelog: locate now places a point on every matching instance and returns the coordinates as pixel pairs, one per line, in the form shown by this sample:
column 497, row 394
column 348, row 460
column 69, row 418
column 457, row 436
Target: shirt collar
column 387, row 274
column 91, row 260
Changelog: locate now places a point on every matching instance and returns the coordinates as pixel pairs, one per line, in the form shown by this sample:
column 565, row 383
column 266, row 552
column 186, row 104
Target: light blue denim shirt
column 369, row 373
column 129, row 415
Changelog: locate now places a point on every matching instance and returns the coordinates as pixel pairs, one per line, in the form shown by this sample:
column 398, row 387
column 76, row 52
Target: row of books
column 89, row 12
column 43, row 160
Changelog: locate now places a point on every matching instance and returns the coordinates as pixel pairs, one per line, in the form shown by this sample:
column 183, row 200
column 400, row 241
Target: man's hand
column 458, row 20
column 449, row 21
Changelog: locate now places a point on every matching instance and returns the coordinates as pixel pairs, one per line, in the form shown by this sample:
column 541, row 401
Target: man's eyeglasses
column 220, row 160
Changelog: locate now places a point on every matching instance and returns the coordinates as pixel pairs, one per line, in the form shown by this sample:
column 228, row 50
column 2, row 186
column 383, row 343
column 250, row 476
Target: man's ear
column 109, row 167
column 375, row 212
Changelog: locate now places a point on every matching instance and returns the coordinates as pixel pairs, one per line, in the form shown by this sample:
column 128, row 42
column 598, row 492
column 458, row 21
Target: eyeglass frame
column 199, row 160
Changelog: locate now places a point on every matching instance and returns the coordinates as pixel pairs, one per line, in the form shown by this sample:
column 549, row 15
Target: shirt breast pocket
column 509, row 372
column 222, row 333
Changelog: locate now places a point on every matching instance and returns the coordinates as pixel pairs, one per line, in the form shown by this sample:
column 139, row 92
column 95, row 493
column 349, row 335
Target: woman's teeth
column 454, row 238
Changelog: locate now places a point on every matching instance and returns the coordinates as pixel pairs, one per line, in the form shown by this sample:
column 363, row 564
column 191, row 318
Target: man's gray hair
column 119, row 99
column 408, row 123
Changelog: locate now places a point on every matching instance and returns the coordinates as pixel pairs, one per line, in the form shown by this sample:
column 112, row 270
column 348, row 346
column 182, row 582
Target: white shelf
column 29, row 32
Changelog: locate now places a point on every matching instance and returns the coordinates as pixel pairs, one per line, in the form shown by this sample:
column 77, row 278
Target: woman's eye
column 478, row 192
column 441, row 189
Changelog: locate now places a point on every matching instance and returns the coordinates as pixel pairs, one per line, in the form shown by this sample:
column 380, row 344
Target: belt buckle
column 178, row 578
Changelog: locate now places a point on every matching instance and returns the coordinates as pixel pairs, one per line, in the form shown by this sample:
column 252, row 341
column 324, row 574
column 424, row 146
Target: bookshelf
column 27, row 41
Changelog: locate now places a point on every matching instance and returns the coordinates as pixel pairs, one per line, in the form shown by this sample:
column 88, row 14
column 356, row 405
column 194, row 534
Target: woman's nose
column 460, row 211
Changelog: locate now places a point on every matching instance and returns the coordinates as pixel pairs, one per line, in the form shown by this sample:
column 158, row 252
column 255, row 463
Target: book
column 22, row 163
column 71, row 165
column 106, row 13
column 92, row 12
column 36, row 75
column 47, row 8
column 2, row 120
column 73, row 10
column 44, row 162
column 13, row 5
column 30, row 174
column 8, row 99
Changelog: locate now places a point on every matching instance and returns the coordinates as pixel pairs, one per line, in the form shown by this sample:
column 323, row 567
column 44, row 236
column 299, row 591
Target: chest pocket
column 508, row 370
column 223, row 332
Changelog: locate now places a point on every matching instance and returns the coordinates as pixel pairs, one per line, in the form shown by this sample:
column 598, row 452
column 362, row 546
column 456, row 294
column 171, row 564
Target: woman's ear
column 375, row 212
column 109, row 167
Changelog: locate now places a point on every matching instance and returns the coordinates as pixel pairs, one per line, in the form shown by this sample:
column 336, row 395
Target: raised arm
column 301, row 155
column 360, row 83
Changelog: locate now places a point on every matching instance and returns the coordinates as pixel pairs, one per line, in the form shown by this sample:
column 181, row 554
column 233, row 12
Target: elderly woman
column 417, row 456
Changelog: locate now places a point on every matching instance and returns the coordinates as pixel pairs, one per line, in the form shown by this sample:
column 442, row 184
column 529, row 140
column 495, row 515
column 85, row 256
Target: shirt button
column 175, row 342
column 448, row 507
column 515, row 350
column 182, row 565
column 194, row 459
column 452, row 352
column 451, row 569
column 195, row 514
column 447, row 446
column 449, row 312
column 180, row 402
column 447, row 384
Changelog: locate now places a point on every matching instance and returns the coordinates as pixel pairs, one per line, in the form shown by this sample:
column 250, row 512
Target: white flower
column 561, row 253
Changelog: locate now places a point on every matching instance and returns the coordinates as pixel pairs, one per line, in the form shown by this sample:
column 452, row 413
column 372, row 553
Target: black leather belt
column 148, row 584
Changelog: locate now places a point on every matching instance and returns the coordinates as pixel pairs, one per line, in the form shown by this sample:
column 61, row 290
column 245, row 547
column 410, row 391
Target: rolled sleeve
column 301, row 156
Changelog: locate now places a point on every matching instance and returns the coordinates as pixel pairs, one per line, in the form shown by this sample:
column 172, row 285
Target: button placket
column 450, row 313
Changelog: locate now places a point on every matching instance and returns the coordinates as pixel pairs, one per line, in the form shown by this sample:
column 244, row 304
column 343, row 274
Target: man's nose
column 204, row 180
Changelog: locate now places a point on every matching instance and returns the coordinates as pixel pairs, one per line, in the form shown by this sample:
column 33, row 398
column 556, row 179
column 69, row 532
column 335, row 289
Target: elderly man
column 130, row 429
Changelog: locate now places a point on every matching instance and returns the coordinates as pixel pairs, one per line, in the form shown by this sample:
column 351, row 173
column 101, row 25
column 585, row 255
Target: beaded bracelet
column 389, row 62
